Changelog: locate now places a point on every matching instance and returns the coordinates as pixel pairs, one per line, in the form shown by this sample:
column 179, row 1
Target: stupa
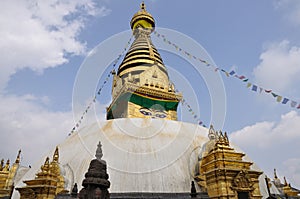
column 149, row 154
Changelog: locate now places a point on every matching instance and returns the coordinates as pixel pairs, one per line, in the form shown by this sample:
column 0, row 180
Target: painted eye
column 160, row 115
column 146, row 112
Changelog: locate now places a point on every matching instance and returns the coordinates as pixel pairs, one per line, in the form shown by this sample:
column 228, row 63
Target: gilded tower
column 141, row 87
column 48, row 182
column 7, row 176
column 223, row 171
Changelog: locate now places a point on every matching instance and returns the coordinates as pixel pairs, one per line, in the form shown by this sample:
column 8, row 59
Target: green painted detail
column 117, row 109
column 150, row 103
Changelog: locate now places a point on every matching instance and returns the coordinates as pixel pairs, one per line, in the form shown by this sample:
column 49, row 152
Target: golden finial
column 45, row 167
column 2, row 164
column 6, row 167
column 143, row 6
column 56, row 155
column 18, row 157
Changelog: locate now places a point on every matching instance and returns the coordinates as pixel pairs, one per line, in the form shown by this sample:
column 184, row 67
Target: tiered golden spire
column 223, row 172
column 7, row 175
column 141, row 86
column 47, row 183
column 142, row 53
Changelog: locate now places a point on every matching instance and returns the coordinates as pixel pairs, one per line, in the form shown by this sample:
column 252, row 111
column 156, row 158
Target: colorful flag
column 268, row 91
column 285, row 100
column 248, row 85
column 279, row 98
column 232, row 73
column 274, row 95
column 254, row 88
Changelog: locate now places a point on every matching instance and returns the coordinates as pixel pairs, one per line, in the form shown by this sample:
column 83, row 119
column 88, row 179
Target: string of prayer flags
column 232, row 73
column 77, row 125
column 193, row 113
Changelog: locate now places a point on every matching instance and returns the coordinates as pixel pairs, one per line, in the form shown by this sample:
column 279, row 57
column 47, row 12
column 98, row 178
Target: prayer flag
column 274, row 95
column 293, row 103
column 254, row 88
column 248, row 85
column 268, row 91
column 285, row 100
column 279, row 98
column 232, row 72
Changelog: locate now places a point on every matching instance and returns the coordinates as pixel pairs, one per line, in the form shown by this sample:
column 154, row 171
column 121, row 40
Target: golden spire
column 45, row 167
column 142, row 19
column 18, row 157
column 142, row 53
column 143, row 76
column 56, row 155
column 2, row 164
column 6, row 167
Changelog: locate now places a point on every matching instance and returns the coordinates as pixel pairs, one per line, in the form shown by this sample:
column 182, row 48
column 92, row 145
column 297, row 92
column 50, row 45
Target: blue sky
column 43, row 44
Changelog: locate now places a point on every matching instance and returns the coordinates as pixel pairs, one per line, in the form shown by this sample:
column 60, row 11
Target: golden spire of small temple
column 46, row 166
column 18, row 157
column 2, row 164
column 6, row 167
column 56, row 155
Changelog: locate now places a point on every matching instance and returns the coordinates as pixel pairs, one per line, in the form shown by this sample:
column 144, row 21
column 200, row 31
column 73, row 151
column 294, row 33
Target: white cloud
column 39, row 34
column 27, row 124
column 291, row 9
column 279, row 68
column 273, row 145
column 31, row 127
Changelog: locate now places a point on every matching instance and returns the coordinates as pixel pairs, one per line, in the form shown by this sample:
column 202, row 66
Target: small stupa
column 96, row 179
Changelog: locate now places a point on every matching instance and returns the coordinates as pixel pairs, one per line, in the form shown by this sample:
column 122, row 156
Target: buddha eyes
column 160, row 115
column 146, row 112
column 153, row 113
